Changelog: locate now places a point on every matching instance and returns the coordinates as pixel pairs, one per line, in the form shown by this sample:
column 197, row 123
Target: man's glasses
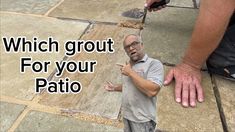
column 133, row 45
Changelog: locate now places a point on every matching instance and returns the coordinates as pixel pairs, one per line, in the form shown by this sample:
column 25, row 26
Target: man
column 214, row 26
column 142, row 79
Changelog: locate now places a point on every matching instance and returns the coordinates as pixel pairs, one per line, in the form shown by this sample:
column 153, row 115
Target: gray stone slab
column 44, row 122
column 167, row 34
column 18, row 85
column 101, row 10
column 93, row 99
column 181, row 3
column 227, row 93
column 28, row 6
column 9, row 113
column 173, row 117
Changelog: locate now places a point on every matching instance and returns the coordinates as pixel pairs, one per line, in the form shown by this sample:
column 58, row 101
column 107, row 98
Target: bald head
column 133, row 46
column 132, row 36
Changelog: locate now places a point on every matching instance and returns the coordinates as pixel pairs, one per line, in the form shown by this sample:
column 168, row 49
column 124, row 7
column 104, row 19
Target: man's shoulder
column 154, row 61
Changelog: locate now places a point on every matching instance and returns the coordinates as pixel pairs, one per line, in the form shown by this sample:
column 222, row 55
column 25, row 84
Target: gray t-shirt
column 137, row 106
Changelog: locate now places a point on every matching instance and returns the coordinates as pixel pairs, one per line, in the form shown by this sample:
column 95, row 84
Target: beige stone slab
column 93, row 99
column 8, row 114
column 227, row 93
column 167, row 33
column 173, row 117
column 38, row 121
column 96, row 10
column 28, row 6
column 18, row 85
column 181, row 3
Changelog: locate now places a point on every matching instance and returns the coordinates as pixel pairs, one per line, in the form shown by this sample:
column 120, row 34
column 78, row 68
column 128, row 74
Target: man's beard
column 134, row 58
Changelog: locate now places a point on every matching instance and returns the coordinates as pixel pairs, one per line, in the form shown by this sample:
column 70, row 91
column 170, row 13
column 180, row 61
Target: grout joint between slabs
column 194, row 3
column 218, row 102
column 54, row 7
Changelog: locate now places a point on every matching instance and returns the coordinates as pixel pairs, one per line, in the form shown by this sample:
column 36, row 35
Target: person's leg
column 222, row 60
column 127, row 127
column 142, row 127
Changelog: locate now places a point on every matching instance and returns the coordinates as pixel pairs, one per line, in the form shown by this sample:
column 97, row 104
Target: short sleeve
column 156, row 72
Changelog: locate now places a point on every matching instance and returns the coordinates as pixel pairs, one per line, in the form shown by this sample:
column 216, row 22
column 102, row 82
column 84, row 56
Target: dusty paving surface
column 165, row 35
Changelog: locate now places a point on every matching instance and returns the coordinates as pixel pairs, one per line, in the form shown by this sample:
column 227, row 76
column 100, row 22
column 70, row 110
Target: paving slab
column 100, row 10
column 42, row 122
column 181, row 3
column 167, row 33
column 173, row 117
column 9, row 113
column 227, row 93
column 18, row 85
column 28, row 6
column 93, row 99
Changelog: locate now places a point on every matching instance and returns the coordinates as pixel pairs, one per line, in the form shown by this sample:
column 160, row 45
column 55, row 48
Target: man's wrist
column 113, row 88
column 189, row 61
column 131, row 73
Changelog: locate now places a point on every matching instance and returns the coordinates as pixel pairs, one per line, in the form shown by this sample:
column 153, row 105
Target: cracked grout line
column 219, row 105
column 54, row 7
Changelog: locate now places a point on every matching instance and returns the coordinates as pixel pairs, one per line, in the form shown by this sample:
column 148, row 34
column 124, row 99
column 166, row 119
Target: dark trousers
column 130, row 126
column 224, row 54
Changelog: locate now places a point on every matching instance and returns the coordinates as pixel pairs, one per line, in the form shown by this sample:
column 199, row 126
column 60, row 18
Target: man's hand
column 109, row 86
column 187, row 84
column 150, row 2
column 126, row 69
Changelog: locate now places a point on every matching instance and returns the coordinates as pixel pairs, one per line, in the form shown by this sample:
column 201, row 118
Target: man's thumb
column 169, row 77
column 150, row 2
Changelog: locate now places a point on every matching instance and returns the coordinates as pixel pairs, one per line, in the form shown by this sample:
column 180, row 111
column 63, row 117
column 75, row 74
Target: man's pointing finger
column 121, row 65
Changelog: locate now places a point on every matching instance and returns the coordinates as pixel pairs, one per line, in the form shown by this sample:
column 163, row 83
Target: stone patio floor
column 165, row 36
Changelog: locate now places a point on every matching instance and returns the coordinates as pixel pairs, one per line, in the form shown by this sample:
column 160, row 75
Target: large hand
column 150, row 2
column 188, row 84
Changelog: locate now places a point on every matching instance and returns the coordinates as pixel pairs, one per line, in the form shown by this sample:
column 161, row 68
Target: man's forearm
column 147, row 87
column 209, row 29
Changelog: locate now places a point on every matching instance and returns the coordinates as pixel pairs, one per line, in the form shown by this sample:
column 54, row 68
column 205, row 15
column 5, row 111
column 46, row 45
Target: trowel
column 138, row 13
column 154, row 5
